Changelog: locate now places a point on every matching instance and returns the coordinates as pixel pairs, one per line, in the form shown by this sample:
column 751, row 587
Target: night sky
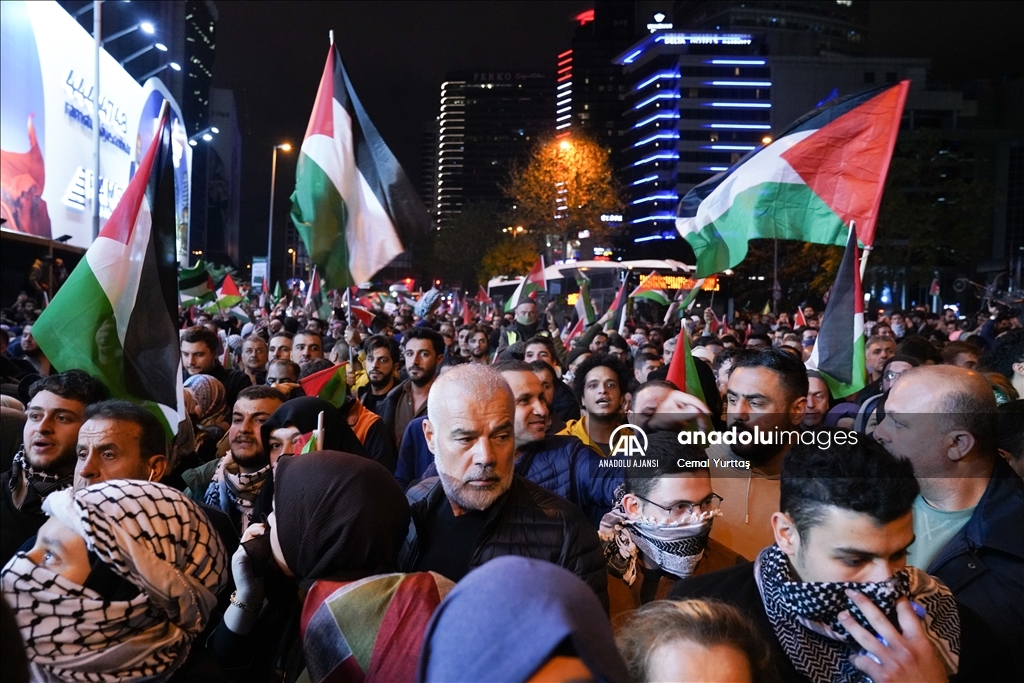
column 397, row 53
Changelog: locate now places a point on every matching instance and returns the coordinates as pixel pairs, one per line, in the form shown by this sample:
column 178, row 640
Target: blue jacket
column 413, row 455
column 567, row 467
column 984, row 563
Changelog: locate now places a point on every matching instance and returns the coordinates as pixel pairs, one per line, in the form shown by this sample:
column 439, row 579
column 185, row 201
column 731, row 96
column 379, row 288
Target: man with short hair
column 599, row 343
column 479, row 351
column 281, row 345
column 962, row 355
column 644, row 364
column 422, row 351
column 767, row 389
column 232, row 483
column 601, row 384
column 818, row 398
column 837, row 567
column 564, row 405
column 46, row 461
column 120, row 440
column 32, row 354
column 646, row 399
column 306, row 346
column 382, row 355
column 967, row 519
column 199, row 349
column 660, row 531
column 618, row 348
column 758, row 341
column 255, row 354
column 462, row 340
column 478, row 508
column 525, row 325
column 877, row 352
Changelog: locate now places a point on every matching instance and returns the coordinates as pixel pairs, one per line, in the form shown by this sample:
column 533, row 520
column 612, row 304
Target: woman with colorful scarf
column 335, row 529
column 121, row 580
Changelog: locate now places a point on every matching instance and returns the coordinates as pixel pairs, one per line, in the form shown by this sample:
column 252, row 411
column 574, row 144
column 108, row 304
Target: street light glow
column 766, row 140
column 564, row 144
column 285, row 147
column 175, row 66
column 207, row 137
column 161, row 47
column 147, row 27
column 215, row 130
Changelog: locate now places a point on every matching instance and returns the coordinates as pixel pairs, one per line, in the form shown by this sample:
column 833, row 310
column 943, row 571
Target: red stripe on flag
column 321, row 121
column 122, row 219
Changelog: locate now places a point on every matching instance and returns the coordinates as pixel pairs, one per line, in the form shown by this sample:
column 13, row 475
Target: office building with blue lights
column 698, row 102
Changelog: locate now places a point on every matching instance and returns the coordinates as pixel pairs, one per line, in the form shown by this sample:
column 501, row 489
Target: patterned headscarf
column 211, row 398
column 804, row 616
column 146, row 533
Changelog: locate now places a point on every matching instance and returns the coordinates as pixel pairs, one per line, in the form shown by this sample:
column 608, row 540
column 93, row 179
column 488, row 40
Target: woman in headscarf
column 514, row 620
column 298, row 416
column 211, row 400
column 336, row 517
column 122, row 578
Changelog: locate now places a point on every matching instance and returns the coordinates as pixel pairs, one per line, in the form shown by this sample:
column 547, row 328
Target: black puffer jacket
column 527, row 521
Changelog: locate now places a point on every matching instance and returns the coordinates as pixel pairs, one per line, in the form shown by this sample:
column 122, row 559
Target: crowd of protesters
column 464, row 512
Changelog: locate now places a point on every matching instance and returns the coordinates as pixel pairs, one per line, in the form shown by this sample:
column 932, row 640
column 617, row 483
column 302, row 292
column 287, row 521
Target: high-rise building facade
column 489, row 120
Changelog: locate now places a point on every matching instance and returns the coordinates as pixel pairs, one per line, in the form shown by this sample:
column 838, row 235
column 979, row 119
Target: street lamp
column 139, row 53
column 284, row 147
column 154, row 72
column 144, row 26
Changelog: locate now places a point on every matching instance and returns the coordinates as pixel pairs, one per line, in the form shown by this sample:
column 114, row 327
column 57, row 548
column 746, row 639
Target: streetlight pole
column 97, row 37
column 270, row 223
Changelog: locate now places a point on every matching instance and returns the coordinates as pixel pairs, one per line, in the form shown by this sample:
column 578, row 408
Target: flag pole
column 864, row 254
column 348, row 307
column 330, row 36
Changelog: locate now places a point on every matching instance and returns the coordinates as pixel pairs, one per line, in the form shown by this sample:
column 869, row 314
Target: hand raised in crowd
column 906, row 656
column 679, row 408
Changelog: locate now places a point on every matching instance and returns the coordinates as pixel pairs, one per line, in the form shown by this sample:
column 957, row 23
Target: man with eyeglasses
column 660, row 531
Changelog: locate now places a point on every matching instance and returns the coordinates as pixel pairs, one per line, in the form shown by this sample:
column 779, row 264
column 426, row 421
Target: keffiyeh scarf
column 676, row 547
column 804, row 616
column 234, row 491
column 24, row 477
column 150, row 535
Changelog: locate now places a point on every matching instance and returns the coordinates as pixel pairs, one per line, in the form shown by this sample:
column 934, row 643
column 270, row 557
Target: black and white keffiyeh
column 235, row 491
column 25, row 477
column 804, row 616
column 676, row 547
column 152, row 536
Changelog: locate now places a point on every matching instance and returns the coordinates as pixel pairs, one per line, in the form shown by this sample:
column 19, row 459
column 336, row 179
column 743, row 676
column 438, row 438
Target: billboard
column 46, row 123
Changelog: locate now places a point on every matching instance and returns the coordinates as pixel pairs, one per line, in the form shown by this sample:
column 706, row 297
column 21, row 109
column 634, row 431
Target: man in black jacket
column 46, row 462
column 199, row 350
column 967, row 519
column 834, row 596
column 478, row 509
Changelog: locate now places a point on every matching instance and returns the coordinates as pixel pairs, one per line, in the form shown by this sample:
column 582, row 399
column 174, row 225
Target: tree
column 508, row 257
column 563, row 188
column 460, row 246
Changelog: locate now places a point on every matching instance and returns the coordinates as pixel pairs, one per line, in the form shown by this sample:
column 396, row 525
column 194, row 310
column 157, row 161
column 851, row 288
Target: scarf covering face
column 676, row 547
column 804, row 616
column 23, row 477
column 211, row 399
column 235, row 491
column 152, row 536
column 339, row 516
column 505, row 620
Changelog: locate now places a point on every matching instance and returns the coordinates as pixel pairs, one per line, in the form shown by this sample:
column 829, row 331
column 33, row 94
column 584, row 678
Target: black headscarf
column 339, row 516
column 303, row 413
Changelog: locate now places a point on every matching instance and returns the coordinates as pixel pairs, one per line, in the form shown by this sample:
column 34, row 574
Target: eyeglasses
column 709, row 504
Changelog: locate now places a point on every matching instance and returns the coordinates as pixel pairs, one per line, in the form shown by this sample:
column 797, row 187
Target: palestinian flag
column 839, row 352
column 646, row 290
column 328, row 384
column 353, row 205
column 467, row 312
column 314, row 297
column 228, row 296
column 584, row 303
column 482, row 297
column 682, row 371
column 617, row 309
column 195, row 286
column 276, row 297
column 363, row 315
column 116, row 316
column 799, row 320
column 826, row 172
column 529, row 286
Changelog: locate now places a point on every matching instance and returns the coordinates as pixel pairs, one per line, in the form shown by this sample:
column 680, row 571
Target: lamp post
column 140, row 52
column 284, row 147
column 154, row 72
column 145, row 26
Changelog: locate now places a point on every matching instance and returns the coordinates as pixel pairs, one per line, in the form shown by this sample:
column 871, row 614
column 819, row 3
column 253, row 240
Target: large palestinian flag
column 353, row 205
column 534, row 282
column 839, row 351
column 826, row 171
column 116, row 316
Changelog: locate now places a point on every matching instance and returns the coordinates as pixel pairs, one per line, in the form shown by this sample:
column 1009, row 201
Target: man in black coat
column 478, row 509
column 46, row 461
column 199, row 351
column 834, row 597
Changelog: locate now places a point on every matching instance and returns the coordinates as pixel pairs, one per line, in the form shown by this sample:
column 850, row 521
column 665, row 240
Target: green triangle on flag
column 647, row 290
column 328, row 384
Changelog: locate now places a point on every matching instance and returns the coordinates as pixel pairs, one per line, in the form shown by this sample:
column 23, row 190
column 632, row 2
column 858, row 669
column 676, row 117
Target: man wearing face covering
column 659, row 531
column 834, row 597
column 527, row 324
